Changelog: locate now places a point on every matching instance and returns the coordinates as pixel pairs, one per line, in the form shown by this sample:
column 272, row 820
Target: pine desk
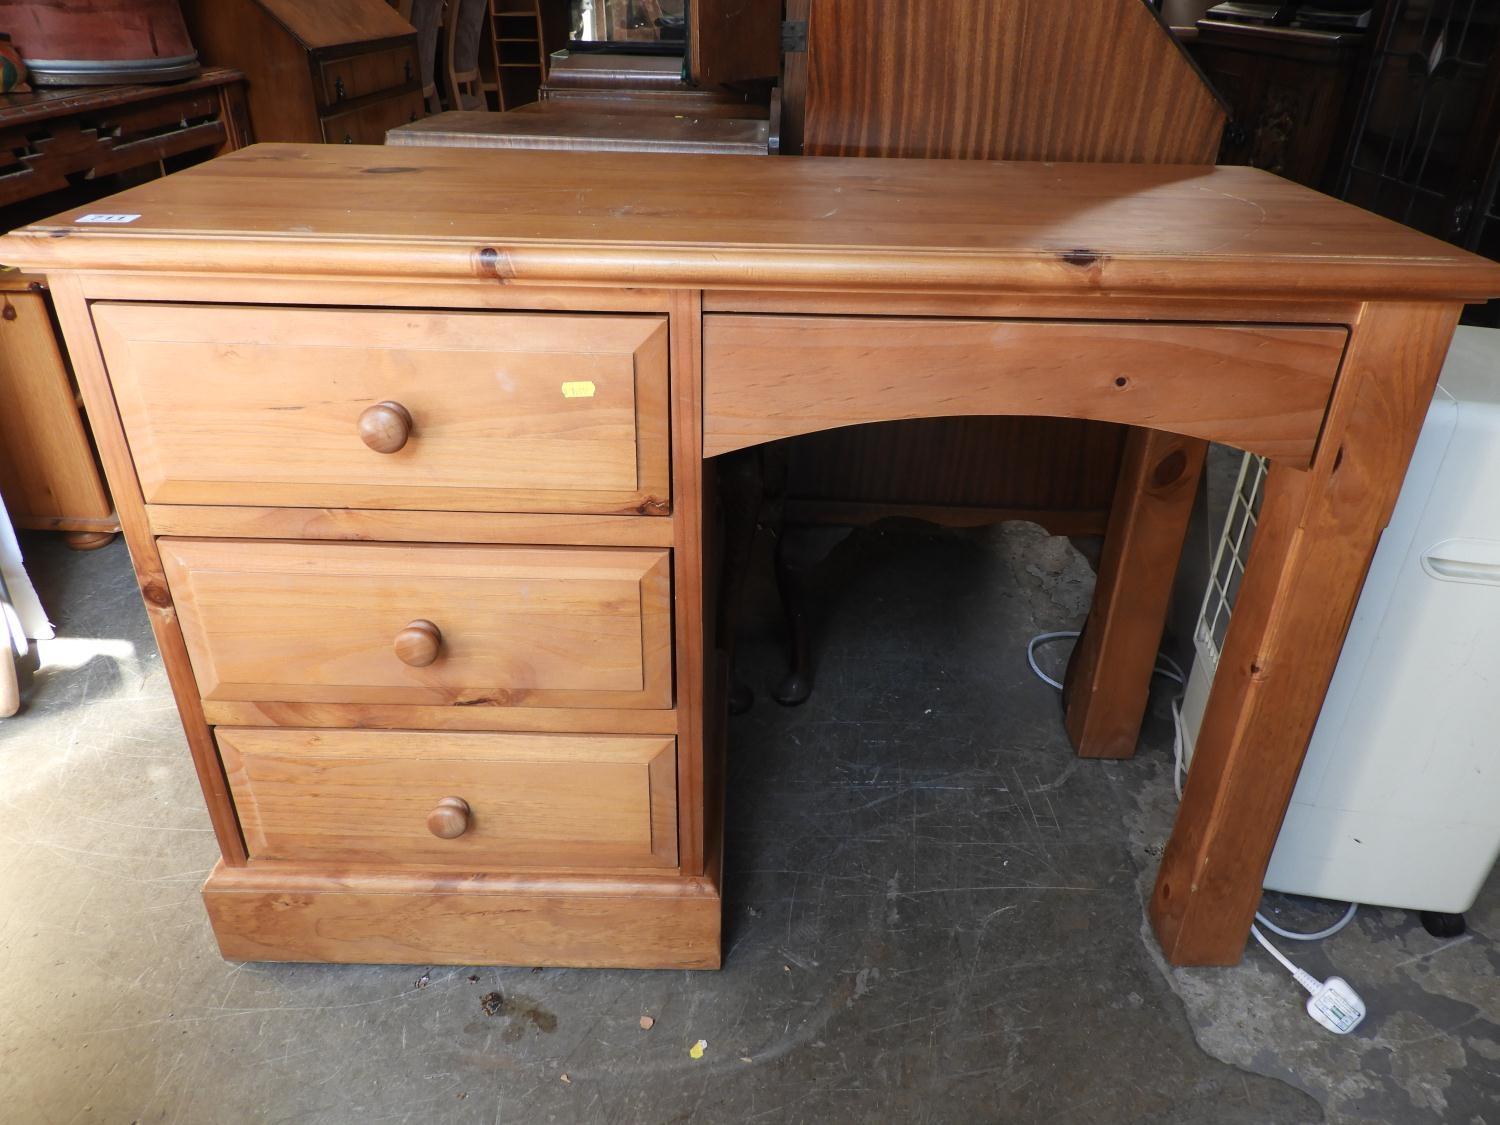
column 412, row 451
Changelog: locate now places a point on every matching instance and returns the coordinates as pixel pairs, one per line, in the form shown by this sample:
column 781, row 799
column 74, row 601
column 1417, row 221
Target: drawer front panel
column 504, row 411
column 1259, row 387
column 381, row 623
column 369, row 124
column 525, row 800
column 357, row 76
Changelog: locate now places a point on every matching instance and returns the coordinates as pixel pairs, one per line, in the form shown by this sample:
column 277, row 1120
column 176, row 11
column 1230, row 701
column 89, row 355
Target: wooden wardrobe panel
column 733, row 40
column 1076, row 80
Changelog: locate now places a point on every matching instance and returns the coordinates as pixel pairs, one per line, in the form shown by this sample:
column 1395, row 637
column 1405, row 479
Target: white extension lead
column 1333, row 1003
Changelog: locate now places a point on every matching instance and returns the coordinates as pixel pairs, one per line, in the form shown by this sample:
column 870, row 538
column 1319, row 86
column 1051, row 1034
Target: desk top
column 755, row 222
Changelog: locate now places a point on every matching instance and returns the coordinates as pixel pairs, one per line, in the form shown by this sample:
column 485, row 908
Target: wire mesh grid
column 1229, row 560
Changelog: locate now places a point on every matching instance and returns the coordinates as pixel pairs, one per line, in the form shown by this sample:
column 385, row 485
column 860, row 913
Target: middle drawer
column 383, row 623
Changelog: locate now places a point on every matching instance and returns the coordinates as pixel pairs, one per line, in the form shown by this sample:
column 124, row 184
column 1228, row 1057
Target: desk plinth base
column 279, row 913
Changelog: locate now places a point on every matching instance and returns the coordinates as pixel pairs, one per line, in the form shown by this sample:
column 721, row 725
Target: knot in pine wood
column 494, row 263
column 157, row 594
column 1083, row 259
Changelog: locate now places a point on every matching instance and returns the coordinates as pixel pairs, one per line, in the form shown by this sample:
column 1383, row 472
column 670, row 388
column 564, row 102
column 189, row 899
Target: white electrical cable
column 1173, row 671
column 1305, row 979
column 1319, row 936
column 1031, row 654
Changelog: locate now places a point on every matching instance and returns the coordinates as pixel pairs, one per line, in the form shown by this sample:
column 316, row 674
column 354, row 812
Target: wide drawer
column 292, row 407
column 369, row 124
column 479, row 801
column 357, row 76
column 1261, row 387
column 380, row 623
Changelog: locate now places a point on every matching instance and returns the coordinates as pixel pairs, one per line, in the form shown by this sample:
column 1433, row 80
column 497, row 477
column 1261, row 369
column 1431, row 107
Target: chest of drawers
column 414, row 452
column 414, row 571
column 515, row 643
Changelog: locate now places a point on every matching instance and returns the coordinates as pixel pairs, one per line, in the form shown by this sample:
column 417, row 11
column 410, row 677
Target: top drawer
column 355, row 76
column 1260, row 387
column 350, row 408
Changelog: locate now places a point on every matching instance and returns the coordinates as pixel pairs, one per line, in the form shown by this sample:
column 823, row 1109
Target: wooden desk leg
column 1109, row 676
column 742, row 491
column 1317, row 531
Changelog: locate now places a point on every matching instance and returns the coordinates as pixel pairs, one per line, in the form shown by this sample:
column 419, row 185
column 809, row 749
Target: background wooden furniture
column 949, row 79
column 463, row 25
column 1425, row 145
column 516, row 45
column 670, row 101
column 335, row 71
column 696, row 270
column 732, row 41
column 48, row 475
column 426, row 17
column 62, row 140
column 60, row 147
column 733, row 50
column 620, row 102
column 557, row 125
column 1001, row 81
column 1291, row 92
column 604, row 71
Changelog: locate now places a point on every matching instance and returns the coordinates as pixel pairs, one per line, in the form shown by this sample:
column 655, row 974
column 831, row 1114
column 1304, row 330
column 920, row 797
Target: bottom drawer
column 367, row 126
column 477, row 801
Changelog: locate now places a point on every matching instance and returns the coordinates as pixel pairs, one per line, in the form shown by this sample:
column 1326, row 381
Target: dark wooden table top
column 60, row 101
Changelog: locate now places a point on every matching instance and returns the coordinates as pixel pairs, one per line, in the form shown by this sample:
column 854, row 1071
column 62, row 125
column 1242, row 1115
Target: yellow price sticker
column 582, row 389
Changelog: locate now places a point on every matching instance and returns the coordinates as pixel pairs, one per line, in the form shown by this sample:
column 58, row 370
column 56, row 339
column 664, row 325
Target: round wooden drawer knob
column 419, row 644
column 385, row 427
column 450, row 819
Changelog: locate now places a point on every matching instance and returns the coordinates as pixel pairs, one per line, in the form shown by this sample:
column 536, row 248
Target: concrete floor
column 934, row 915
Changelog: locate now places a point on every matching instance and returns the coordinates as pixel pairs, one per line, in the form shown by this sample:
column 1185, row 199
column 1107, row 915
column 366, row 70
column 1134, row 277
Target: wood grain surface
column 1259, row 388
column 408, row 527
column 273, row 912
column 534, row 800
column 1007, row 79
column 711, row 102
column 48, row 474
column 264, row 406
column 529, row 626
column 733, row 40
column 1109, row 677
column 745, row 222
column 114, row 451
column 1316, row 534
column 331, row 23
column 550, row 125
column 490, row 715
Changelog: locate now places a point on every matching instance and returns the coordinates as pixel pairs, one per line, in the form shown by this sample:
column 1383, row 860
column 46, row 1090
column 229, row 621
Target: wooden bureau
column 333, row 71
column 414, row 454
